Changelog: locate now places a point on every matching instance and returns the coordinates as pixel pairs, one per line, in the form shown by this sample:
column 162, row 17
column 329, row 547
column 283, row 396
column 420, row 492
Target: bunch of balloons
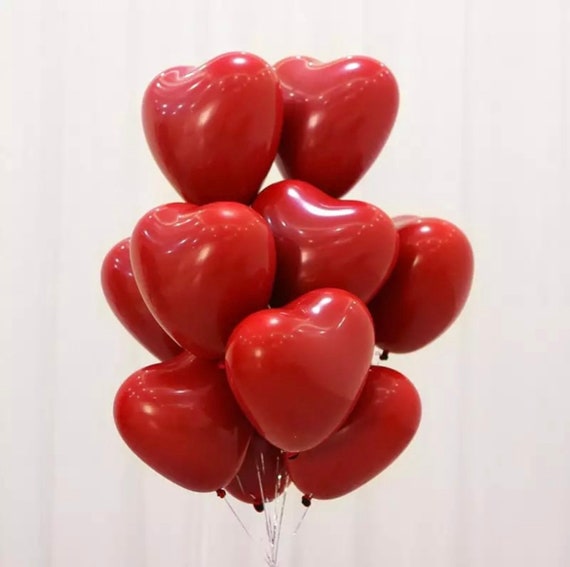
column 265, row 308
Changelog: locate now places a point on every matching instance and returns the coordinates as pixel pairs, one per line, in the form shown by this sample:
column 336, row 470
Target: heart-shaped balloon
column 263, row 475
column 126, row 302
column 324, row 242
column 428, row 286
column 181, row 419
column 297, row 371
column 214, row 129
column 201, row 270
column 379, row 428
column 338, row 117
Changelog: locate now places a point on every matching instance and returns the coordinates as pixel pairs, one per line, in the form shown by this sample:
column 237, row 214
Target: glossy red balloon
column 126, row 302
column 381, row 426
column 263, row 475
column 338, row 117
column 427, row 288
column 214, row 130
column 324, row 242
column 201, row 270
column 297, row 371
column 181, row 419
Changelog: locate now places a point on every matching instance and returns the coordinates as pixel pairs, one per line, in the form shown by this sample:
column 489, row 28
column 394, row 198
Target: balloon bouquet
column 265, row 308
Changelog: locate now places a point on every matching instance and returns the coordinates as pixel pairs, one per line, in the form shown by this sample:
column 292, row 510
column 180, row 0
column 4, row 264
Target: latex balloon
column 214, row 130
column 427, row 288
column 262, row 476
column 338, row 117
column 297, row 371
column 380, row 427
column 324, row 242
column 201, row 270
column 181, row 419
column 126, row 302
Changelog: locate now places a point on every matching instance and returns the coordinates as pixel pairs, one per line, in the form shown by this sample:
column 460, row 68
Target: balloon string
column 301, row 521
column 277, row 513
column 236, row 516
column 280, row 524
column 264, row 500
column 240, row 485
column 274, row 511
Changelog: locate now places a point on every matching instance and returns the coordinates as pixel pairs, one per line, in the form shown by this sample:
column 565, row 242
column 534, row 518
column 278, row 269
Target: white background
column 481, row 139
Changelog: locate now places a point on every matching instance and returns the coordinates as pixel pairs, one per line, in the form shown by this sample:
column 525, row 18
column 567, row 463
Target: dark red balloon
column 380, row 427
column 181, row 419
column 297, row 371
column 126, row 302
column 324, row 242
column 338, row 117
column 263, row 475
column 214, row 129
column 201, row 270
column 427, row 288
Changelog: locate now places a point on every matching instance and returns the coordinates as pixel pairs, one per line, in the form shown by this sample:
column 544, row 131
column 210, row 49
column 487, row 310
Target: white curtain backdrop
column 482, row 139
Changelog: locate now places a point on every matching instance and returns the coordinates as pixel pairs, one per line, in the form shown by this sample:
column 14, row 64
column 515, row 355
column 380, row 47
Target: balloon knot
column 259, row 507
column 292, row 456
column 384, row 355
column 306, row 500
column 221, row 493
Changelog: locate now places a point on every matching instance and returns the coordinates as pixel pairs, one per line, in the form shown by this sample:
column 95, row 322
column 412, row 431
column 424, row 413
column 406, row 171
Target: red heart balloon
column 323, row 242
column 380, row 427
column 181, row 419
column 214, row 130
column 297, row 371
column 262, row 476
column 201, row 270
column 338, row 117
column 126, row 302
column 427, row 288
